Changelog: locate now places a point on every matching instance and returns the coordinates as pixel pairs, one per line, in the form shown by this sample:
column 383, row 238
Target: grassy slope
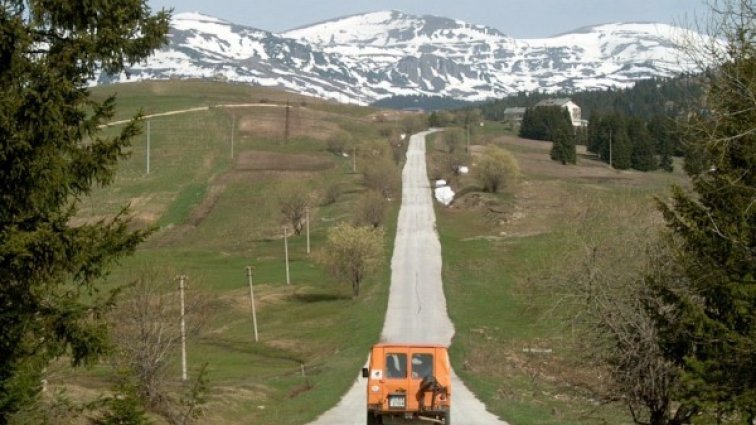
column 217, row 217
column 490, row 258
column 314, row 321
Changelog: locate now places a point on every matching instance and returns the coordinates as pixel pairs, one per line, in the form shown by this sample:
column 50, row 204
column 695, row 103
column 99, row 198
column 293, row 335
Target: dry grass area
column 250, row 167
column 496, row 248
column 272, row 161
column 540, row 197
column 533, row 157
column 266, row 121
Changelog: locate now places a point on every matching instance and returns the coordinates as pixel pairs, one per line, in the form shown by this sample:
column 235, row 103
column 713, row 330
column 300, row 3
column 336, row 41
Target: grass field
column 215, row 215
column 494, row 246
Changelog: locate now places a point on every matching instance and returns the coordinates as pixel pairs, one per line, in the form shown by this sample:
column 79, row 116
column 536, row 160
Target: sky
column 517, row 18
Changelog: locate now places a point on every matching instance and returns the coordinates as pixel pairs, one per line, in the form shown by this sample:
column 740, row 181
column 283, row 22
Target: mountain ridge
column 370, row 56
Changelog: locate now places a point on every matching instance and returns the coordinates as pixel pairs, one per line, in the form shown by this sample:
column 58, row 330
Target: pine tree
column 643, row 157
column 622, row 149
column 659, row 128
column 595, row 131
column 543, row 122
column 563, row 148
column 51, row 155
column 708, row 327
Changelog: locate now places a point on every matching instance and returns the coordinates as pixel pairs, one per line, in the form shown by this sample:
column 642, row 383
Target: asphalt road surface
column 417, row 306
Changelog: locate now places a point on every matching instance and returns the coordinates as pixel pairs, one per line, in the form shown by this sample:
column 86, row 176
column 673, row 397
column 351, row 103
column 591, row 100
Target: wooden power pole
column 252, row 300
column 286, row 130
column 182, row 287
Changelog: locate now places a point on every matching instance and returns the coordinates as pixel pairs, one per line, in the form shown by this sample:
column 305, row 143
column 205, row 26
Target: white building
column 572, row 108
column 514, row 115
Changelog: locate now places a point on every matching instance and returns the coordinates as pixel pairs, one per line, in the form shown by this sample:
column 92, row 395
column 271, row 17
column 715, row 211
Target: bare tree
column 414, row 123
column 293, row 200
column 454, row 139
column 331, row 193
column 145, row 331
column 371, row 209
column 339, row 142
column 383, row 176
column 710, row 323
column 598, row 287
column 353, row 252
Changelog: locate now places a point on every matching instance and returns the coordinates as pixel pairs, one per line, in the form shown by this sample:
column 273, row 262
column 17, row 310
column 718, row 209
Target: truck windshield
column 422, row 365
column 396, row 365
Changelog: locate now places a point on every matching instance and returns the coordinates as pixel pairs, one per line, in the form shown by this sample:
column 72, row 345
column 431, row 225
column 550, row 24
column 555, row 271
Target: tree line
column 642, row 120
column 630, row 142
column 428, row 103
column 620, row 140
column 673, row 96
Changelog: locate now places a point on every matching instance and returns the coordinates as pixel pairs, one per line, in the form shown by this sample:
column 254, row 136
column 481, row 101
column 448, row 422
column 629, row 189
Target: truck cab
column 408, row 382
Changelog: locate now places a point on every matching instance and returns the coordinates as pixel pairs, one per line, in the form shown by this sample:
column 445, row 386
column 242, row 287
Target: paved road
column 417, row 306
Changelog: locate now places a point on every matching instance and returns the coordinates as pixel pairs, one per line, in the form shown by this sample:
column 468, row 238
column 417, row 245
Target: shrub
column 497, row 169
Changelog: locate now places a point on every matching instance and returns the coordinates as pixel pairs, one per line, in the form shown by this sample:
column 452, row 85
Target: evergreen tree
column 563, row 148
column 659, row 128
column 543, row 122
column 643, row 157
column 665, row 162
column 621, row 148
column 708, row 327
column 595, row 131
column 51, row 155
column 612, row 142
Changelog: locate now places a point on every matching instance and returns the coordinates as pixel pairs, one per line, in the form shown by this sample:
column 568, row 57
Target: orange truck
column 408, row 383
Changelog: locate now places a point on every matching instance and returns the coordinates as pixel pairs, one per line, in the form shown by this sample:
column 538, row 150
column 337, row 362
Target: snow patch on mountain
column 363, row 58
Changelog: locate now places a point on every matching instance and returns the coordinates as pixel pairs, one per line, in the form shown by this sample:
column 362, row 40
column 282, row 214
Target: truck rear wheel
column 447, row 416
column 373, row 419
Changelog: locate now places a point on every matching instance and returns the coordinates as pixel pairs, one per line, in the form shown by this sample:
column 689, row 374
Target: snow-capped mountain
column 376, row 55
column 202, row 46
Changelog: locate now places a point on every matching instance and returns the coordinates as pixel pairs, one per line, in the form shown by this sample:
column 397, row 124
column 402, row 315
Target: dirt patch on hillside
column 271, row 122
column 203, row 209
column 538, row 205
column 265, row 296
column 273, row 161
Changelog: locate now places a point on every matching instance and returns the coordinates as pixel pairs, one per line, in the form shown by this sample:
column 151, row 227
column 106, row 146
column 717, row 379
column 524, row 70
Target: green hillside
column 214, row 215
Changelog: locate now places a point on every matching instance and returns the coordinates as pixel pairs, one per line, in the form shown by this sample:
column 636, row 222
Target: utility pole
column 233, row 127
column 182, row 286
column 252, row 300
column 307, row 224
column 354, row 159
column 286, row 131
column 148, row 147
column 467, row 146
column 286, row 254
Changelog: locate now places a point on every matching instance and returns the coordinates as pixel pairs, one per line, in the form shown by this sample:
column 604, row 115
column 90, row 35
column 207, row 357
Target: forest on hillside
column 645, row 99
column 628, row 128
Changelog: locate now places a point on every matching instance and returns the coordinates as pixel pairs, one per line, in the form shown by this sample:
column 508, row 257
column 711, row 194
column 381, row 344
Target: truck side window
column 396, row 365
column 422, row 365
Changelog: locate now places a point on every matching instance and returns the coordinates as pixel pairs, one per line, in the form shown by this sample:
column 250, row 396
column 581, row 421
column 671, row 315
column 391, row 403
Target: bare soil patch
column 203, row 209
column 265, row 295
column 271, row 122
column 272, row 161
